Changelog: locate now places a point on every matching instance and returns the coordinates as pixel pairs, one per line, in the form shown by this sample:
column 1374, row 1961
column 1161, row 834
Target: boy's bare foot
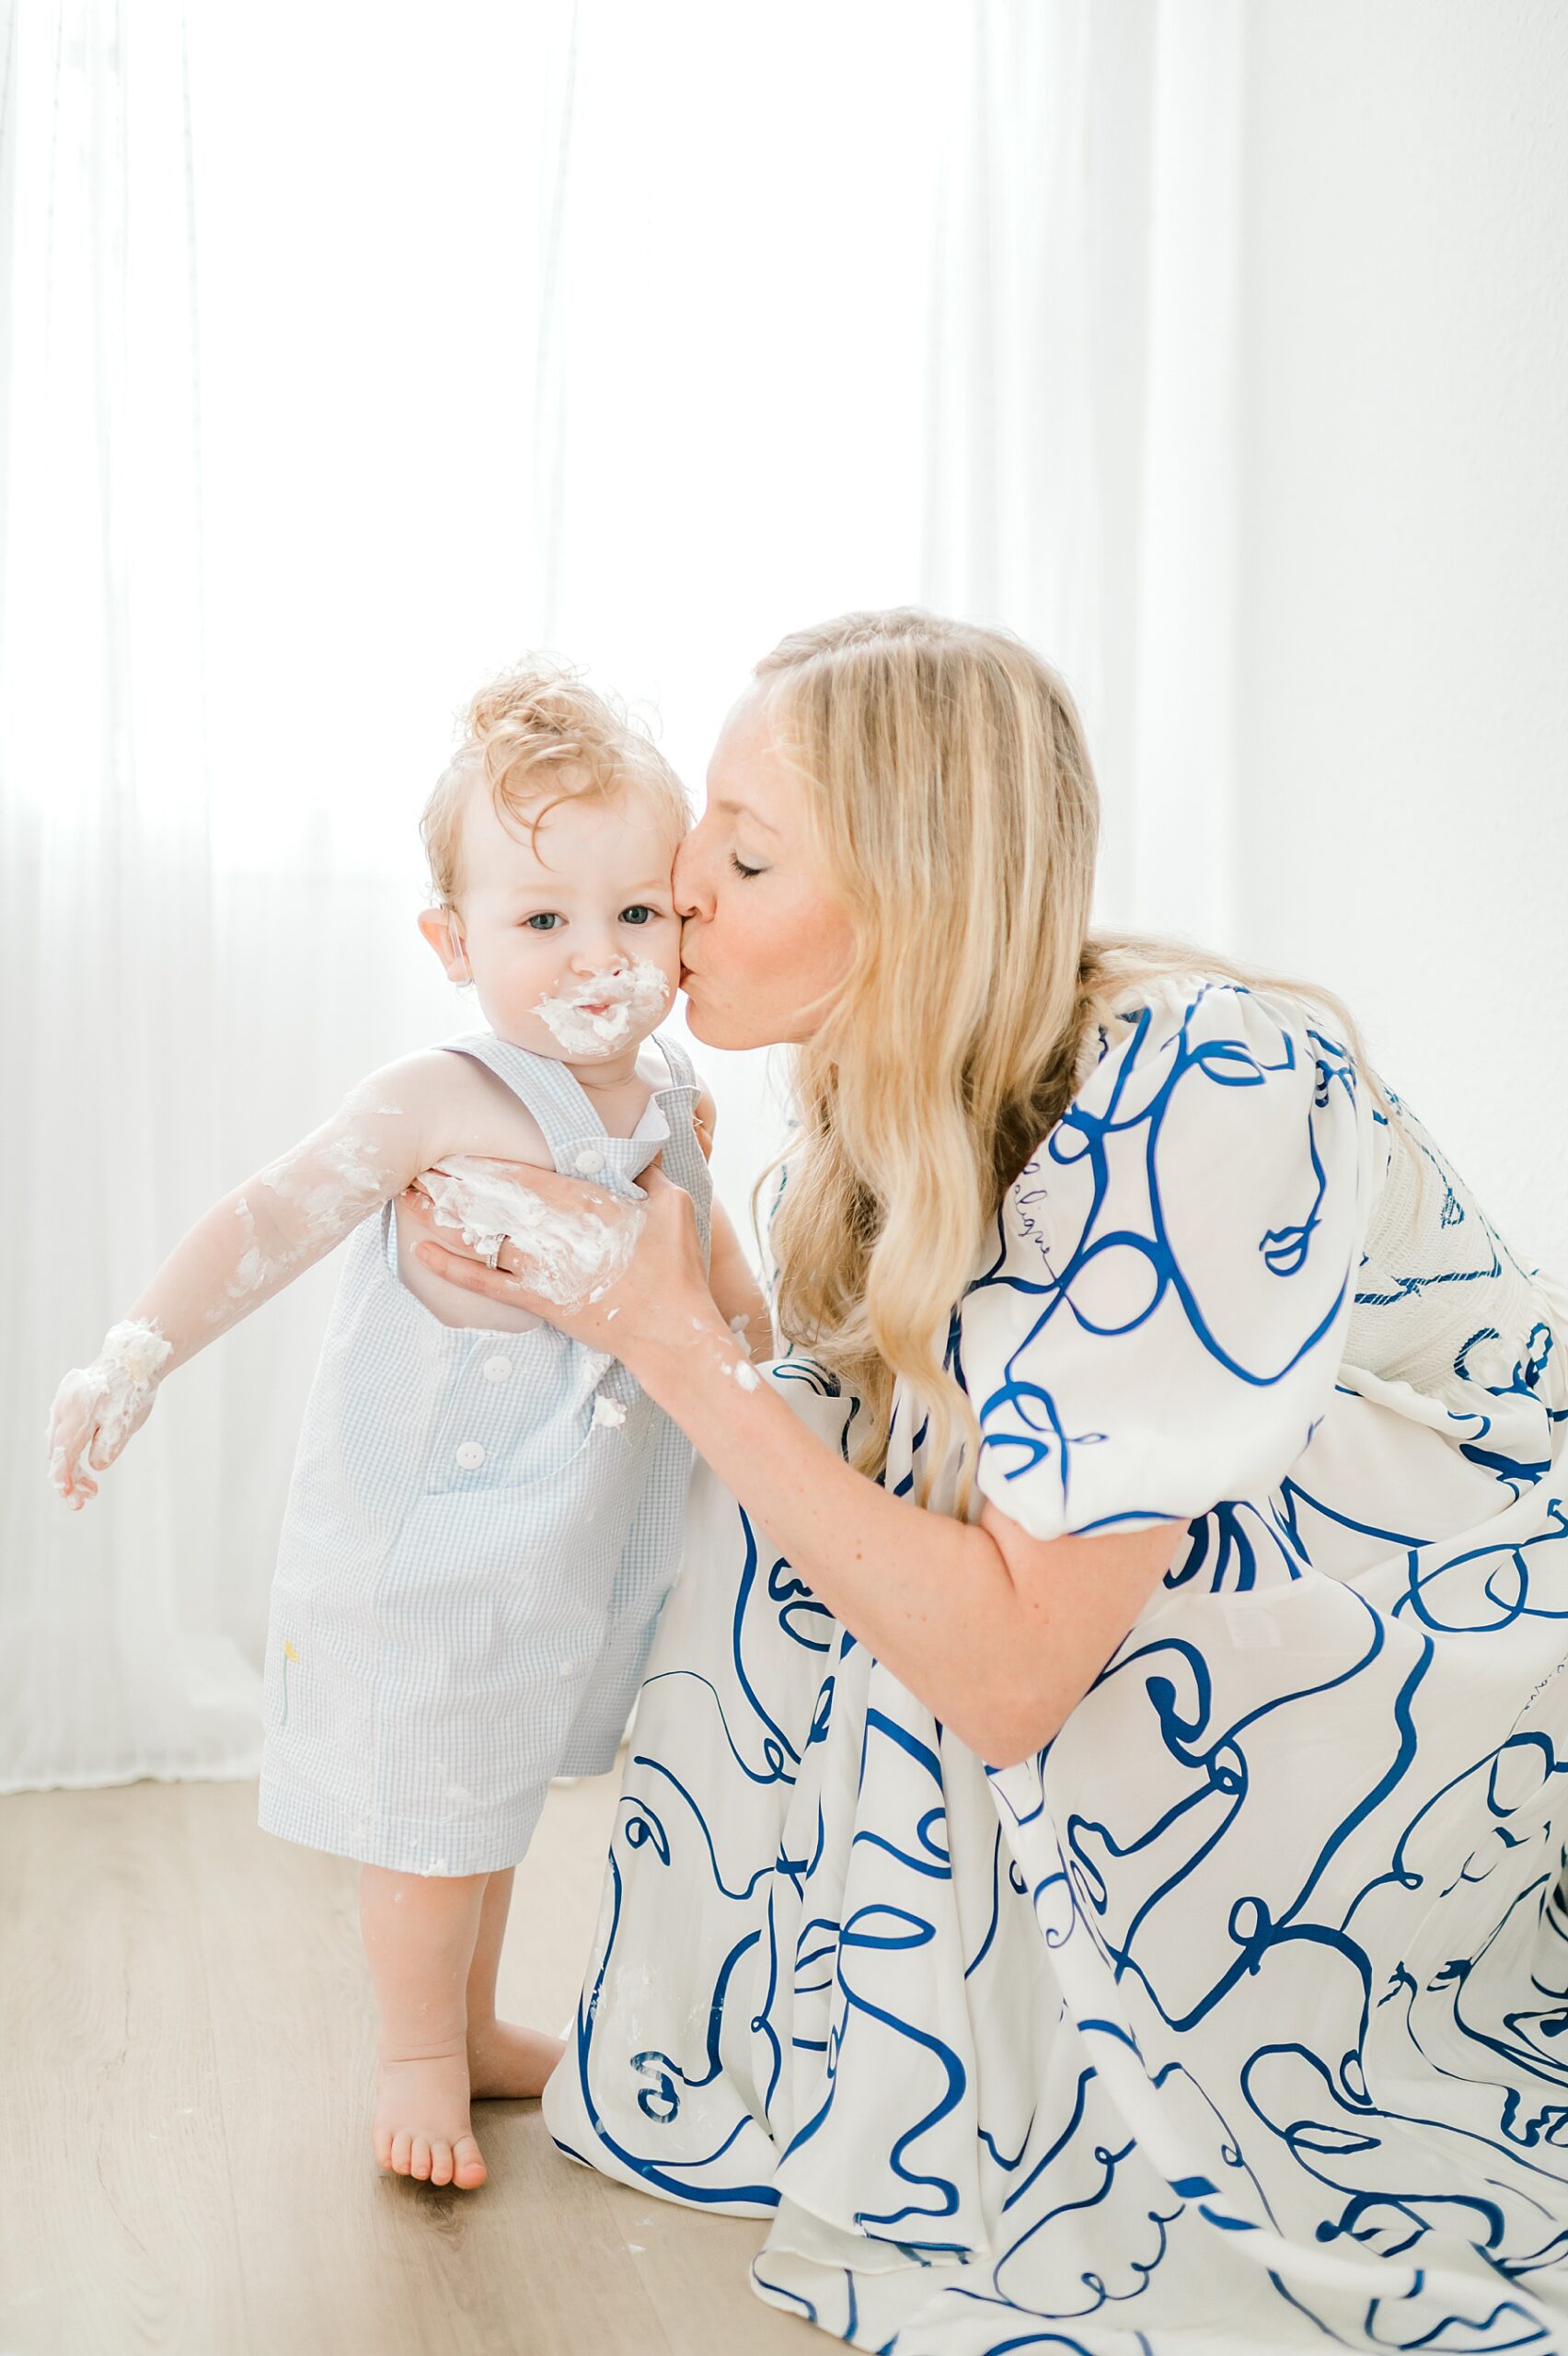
column 422, row 2128
column 510, row 2063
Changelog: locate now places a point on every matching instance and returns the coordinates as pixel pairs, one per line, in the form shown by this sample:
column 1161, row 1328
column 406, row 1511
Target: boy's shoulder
column 411, row 1083
column 455, row 1104
column 422, row 1067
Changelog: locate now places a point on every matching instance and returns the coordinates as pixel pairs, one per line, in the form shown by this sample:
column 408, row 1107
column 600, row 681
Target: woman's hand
column 661, row 1292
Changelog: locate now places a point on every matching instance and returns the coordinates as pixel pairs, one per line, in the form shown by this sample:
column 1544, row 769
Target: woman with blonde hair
column 1089, row 1866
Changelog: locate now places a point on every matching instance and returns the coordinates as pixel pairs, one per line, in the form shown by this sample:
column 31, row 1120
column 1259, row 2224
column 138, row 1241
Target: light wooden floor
column 186, row 2058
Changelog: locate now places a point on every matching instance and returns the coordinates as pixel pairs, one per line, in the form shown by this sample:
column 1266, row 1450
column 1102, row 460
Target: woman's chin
column 692, row 1015
column 730, row 1032
column 710, row 1031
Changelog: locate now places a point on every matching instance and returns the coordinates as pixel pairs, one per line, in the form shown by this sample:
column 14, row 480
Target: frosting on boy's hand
column 98, row 1407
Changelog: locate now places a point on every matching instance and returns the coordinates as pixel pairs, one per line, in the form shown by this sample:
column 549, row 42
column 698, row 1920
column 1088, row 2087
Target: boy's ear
column 442, row 930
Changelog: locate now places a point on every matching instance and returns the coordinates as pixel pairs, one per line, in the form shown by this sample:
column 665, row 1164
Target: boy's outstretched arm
column 247, row 1247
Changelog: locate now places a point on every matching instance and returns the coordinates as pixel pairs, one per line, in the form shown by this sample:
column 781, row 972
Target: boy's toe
column 440, row 2163
column 402, row 2147
column 468, row 2169
column 419, row 2162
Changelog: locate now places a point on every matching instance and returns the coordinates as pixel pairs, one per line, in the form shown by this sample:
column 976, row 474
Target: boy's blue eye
column 544, row 922
column 638, row 914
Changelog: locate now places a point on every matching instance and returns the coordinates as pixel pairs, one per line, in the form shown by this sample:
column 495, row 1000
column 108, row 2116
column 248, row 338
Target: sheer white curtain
column 337, row 370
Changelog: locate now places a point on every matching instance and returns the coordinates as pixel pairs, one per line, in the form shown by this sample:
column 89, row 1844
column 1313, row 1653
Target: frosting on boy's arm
column 298, row 1207
column 568, row 1255
column 250, row 1244
column 293, row 1211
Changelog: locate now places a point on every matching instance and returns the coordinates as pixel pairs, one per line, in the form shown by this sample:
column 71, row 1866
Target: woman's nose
column 686, row 887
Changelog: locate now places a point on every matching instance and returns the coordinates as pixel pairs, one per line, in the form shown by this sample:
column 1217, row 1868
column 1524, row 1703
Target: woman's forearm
column 999, row 1633
column 931, row 1597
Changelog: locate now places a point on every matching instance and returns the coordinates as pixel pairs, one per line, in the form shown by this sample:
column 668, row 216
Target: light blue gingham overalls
column 470, row 1565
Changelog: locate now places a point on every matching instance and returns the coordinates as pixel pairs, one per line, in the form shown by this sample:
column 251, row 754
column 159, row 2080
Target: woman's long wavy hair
column 954, row 807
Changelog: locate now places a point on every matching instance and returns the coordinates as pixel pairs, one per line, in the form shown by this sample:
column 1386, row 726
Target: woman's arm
column 246, row 1248
column 998, row 1634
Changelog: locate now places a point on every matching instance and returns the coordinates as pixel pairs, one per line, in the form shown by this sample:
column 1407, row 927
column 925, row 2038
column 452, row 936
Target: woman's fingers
column 494, row 1178
column 461, row 1268
column 651, row 1264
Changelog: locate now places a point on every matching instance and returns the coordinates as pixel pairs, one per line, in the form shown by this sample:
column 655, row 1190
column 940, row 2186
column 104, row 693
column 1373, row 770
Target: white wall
column 1402, row 558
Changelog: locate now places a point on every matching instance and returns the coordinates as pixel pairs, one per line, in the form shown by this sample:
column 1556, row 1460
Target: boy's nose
column 591, row 958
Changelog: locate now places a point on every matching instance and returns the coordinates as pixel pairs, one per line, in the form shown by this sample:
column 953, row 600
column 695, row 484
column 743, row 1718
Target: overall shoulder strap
column 683, row 1158
column 580, row 1145
column 548, row 1090
column 683, row 1071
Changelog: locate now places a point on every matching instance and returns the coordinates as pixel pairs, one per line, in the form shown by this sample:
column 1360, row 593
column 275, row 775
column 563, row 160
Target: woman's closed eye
column 741, row 870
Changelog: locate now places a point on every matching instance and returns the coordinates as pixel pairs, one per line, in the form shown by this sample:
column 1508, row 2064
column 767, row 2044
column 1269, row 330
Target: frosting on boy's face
column 570, row 935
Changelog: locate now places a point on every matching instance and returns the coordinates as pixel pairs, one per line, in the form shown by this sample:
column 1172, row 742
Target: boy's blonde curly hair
column 537, row 735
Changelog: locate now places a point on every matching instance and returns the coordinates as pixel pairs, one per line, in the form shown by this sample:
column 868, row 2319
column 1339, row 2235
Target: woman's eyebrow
column 745, row 810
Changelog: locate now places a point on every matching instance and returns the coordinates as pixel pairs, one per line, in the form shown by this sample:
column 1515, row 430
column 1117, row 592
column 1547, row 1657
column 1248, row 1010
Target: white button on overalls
column 589, row 1160
column 496, row 1369
column 469, row 1454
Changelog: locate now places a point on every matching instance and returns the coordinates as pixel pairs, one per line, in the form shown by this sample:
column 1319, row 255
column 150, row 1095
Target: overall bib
column 471, row 1560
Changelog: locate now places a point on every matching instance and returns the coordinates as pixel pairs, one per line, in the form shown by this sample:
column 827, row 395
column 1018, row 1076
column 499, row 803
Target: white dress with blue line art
column 472, row 1559
column 1237, row 2019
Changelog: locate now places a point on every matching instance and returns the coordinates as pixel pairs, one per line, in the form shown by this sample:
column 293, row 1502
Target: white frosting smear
column 98, row 1407
column 326, row 1184
column 572, row 1256
column 608, row 1410
column 632, row 998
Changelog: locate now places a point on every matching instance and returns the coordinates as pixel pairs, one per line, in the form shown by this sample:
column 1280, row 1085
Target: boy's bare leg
column 420, row 1933
column 503, row 2060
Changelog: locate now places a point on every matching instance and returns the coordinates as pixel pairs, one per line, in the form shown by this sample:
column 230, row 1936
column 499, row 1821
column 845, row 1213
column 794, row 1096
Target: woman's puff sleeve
column 1162, row 1321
